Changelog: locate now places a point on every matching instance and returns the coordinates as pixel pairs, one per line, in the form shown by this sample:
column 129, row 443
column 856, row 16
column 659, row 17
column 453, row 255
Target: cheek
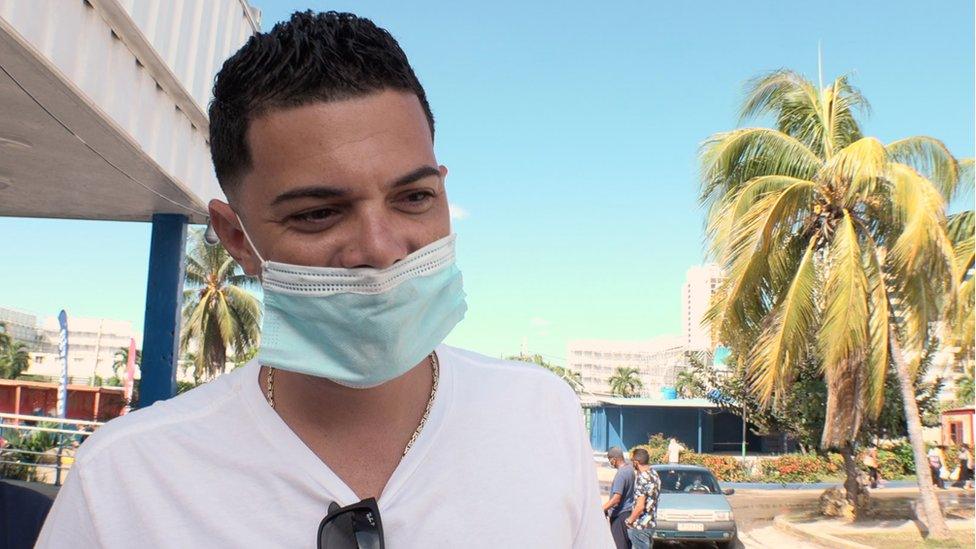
column 312, row 250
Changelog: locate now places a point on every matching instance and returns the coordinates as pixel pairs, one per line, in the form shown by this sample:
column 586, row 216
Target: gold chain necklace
column 435, row 367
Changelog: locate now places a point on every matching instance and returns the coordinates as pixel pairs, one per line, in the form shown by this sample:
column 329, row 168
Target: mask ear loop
column 250, row 242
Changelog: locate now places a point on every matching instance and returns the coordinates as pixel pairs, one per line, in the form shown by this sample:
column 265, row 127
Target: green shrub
column 19, row 465
column 795, row 468
column 891, row 466
column 725, row 468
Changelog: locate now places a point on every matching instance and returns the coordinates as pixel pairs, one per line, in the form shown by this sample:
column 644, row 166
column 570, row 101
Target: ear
column 227, row 225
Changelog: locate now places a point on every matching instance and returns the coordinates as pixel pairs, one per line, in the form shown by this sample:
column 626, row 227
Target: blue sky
column 570, row 130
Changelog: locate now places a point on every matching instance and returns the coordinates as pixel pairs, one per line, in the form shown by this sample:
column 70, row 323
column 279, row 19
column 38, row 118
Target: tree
column 824, row 231
column 220, row 317
column 572, row 377
column 965, row 387
column 962, row 233
column 122, row 360
column 685, row 384
column 5, row 338
column 625, row 382
column 801, row 413
column 14, row 359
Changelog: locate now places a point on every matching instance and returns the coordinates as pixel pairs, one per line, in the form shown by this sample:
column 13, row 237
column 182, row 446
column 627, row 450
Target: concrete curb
column 819, row 538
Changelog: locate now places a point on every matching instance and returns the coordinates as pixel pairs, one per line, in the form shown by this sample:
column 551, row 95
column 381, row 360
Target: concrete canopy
column 102, row 106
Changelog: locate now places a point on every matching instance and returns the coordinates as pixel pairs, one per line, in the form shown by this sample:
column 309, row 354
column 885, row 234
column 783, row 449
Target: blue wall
column 627, row 427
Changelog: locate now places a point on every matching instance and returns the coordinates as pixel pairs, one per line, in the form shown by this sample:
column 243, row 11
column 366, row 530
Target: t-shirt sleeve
column 70, row 522
column 619, row 485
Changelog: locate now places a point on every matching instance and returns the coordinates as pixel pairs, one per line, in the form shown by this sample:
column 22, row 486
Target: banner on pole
column 63, row 356
column 130, row 373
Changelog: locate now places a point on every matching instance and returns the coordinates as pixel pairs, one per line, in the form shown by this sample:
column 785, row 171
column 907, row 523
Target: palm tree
column 835, row 247
column 572, row 377
column 4, row 336
column 625, row 382
column 122, row 360
column 966, row 387
column 961, row 233
column 14, row 359
column 686, row 384
column 220, row 317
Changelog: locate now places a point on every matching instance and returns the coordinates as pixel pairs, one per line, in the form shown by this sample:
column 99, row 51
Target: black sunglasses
column 355, row 526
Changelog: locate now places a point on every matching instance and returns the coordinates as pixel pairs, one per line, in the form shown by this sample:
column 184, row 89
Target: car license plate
column 691, row 527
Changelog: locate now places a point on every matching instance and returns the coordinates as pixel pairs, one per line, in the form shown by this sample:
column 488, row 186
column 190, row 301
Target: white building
column 701, row 283
column 92, row 344
column 657, row 360
column 21, row 326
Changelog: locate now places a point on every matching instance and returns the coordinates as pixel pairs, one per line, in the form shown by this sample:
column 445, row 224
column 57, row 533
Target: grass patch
column 961, row 539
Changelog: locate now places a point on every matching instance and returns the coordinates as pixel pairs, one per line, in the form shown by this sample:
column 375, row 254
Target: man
column 621, row 501
column 322, row 140
column 647, row 491
column 870, row 460
column 674, row 450
column 937, row 461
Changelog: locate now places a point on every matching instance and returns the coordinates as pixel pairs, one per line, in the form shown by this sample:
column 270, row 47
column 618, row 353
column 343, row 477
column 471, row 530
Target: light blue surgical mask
column 360, row 327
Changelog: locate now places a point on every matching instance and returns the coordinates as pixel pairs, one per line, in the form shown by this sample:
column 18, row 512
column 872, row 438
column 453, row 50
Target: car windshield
column 674, row 481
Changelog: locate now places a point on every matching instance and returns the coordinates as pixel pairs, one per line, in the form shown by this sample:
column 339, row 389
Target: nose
column 376, row 244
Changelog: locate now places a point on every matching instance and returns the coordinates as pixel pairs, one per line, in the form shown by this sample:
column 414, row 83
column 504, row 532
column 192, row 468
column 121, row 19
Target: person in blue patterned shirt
column 647, row 491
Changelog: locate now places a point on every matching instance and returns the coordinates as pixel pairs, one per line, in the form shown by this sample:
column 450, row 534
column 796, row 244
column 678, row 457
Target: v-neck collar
column 291, row 449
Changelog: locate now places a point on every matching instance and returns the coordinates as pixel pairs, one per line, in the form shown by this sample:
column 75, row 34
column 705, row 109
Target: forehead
column 353, row 142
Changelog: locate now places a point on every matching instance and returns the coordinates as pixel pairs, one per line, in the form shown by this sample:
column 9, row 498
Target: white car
column 693, row 507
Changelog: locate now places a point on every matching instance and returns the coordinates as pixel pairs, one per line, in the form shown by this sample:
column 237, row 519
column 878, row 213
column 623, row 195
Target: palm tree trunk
column 933, row 518
column 852, row 488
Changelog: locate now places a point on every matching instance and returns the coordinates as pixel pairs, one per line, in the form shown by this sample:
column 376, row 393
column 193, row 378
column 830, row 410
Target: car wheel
column 731, row 544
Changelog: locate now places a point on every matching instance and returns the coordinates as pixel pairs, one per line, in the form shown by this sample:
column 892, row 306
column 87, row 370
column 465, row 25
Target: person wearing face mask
column 322, row 141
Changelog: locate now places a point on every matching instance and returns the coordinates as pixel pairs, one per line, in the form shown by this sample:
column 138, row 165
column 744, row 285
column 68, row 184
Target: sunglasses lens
column 355, row 529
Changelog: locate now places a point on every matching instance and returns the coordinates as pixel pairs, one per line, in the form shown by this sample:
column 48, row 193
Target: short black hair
column 640, row 455
column 327, row 56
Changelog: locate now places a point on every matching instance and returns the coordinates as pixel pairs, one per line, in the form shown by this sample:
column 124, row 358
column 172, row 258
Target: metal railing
column 66, row 440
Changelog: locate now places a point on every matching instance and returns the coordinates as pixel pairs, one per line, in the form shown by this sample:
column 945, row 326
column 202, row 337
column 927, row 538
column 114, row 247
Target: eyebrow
column 323, row 191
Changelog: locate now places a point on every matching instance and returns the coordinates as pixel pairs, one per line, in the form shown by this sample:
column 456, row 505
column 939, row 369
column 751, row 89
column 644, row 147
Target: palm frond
column 843, row 334
column 729, row 160
column 879, row 327
column 856, row 170
column 781, row 345
column 842, row 102
column 929, row 157
column 763, row 226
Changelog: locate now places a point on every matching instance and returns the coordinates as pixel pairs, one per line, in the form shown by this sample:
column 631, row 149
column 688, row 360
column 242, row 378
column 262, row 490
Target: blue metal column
column 699, row 430
column 164, row 298
column 623, row 445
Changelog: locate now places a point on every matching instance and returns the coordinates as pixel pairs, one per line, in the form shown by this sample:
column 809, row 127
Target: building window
column 955, row 432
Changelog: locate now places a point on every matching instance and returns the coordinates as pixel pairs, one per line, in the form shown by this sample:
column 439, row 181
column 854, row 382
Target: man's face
column 351, row 183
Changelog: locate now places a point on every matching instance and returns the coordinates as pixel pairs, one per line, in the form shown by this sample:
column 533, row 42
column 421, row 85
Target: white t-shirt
column 504, row 461
column 674, row 451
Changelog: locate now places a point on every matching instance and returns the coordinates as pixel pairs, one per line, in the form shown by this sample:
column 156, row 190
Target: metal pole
column 699, row 430
column 164, row 298
column 743, row 435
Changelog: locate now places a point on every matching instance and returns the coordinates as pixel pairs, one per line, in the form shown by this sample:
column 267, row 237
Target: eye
column 313, row 220
column 417, row 201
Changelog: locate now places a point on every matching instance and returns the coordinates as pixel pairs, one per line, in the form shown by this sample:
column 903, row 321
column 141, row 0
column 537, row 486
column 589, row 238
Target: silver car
column 692, row 507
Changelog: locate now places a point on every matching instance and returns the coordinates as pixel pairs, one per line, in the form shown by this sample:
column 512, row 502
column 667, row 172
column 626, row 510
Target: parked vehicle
column 693, row 507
